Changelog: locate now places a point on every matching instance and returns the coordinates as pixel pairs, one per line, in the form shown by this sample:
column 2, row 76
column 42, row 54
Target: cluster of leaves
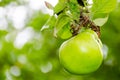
column 68, row 12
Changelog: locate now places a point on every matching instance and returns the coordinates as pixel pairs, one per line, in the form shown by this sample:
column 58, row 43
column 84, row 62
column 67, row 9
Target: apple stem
column 84, row 21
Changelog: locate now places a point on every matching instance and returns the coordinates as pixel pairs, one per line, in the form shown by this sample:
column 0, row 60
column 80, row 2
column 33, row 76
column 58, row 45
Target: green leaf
column 50, row 23
column 65, row 32
column 74, row 10
column 62, row 20
column 99, row 15
column 59, row 7
column 100, row 10
column 100, row 21
column 103, row 6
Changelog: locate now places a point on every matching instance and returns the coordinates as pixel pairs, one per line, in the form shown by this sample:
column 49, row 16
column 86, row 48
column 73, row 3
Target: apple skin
column 82, row 53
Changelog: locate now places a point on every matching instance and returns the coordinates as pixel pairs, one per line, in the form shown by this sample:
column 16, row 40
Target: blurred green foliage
column 38, row 58
column 39, row 19
column 5, row 2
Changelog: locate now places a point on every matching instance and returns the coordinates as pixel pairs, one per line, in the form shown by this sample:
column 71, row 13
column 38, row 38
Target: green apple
column 82, row 53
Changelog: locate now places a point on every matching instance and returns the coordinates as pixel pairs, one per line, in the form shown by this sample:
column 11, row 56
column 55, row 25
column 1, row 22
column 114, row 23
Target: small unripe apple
column 82, row 53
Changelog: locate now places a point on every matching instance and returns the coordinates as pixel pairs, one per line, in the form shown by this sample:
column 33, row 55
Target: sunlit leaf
column 100, row 21
column 50, row 23
column 62, row 20
column 59, row 7
column 65, row 32
column 103, row 6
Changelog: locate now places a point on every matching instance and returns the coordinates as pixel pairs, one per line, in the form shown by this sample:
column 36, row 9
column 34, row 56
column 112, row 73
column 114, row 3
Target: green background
column 38, row 58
